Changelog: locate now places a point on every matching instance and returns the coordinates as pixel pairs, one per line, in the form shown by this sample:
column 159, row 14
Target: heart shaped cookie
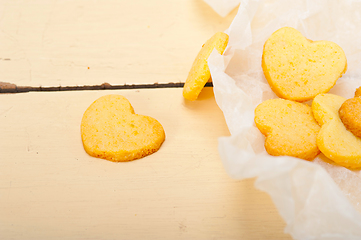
column 200, row 73
column 299, row 69
column 334, row 140
column 350, row 114
column 111, row 130
column 289, row 127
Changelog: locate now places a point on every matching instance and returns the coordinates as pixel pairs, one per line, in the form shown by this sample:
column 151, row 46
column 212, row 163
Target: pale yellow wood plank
column 81, row 42
column 51, row 189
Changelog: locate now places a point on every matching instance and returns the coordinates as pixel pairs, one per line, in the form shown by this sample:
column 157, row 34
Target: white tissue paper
column 318, row 199
column 223, row 7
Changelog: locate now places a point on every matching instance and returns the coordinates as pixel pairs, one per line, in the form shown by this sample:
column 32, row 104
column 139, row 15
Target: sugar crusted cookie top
column 299, row 69
column 111, row 130
column 289, row 127
column 200, row 73
column 334, row 140
column 350, row 115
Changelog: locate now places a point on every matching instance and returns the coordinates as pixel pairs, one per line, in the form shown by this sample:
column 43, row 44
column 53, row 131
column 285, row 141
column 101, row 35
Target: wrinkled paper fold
column 317, row 200
column 223, row 7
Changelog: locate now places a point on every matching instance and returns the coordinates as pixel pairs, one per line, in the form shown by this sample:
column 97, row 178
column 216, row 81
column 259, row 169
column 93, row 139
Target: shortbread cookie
column 289, row 127
column 350, row 115
column 334, row 140
column 111, row 130
column 299, row 69
column 199, row 73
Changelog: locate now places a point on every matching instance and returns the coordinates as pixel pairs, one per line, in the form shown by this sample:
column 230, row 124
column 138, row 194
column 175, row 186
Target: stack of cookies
column 299, row 70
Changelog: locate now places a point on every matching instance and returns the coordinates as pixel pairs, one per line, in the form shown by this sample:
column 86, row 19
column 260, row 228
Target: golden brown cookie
column 199, row 73
column 289, row 127
column 350, row 115
column 111, row 130
column 334, row 140
column 299, row 69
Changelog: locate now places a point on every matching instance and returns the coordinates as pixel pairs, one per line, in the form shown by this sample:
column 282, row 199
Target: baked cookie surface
column 199, row 73
column 111, row 130
column 334, row 140
column 299, row 69
column 289, row 127
column 350, row 115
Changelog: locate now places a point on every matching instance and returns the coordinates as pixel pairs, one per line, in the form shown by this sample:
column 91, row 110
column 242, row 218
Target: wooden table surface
column 51, row 189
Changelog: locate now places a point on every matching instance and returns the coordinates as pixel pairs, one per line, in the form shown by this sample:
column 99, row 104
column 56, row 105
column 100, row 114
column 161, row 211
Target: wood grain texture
column 51, row 189
column 68, row 43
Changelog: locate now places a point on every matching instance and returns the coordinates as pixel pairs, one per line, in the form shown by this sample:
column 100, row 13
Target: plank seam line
column 13, row 88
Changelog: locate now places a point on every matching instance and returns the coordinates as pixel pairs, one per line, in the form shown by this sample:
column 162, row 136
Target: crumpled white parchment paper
column 317, row 200
column 223, row 7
